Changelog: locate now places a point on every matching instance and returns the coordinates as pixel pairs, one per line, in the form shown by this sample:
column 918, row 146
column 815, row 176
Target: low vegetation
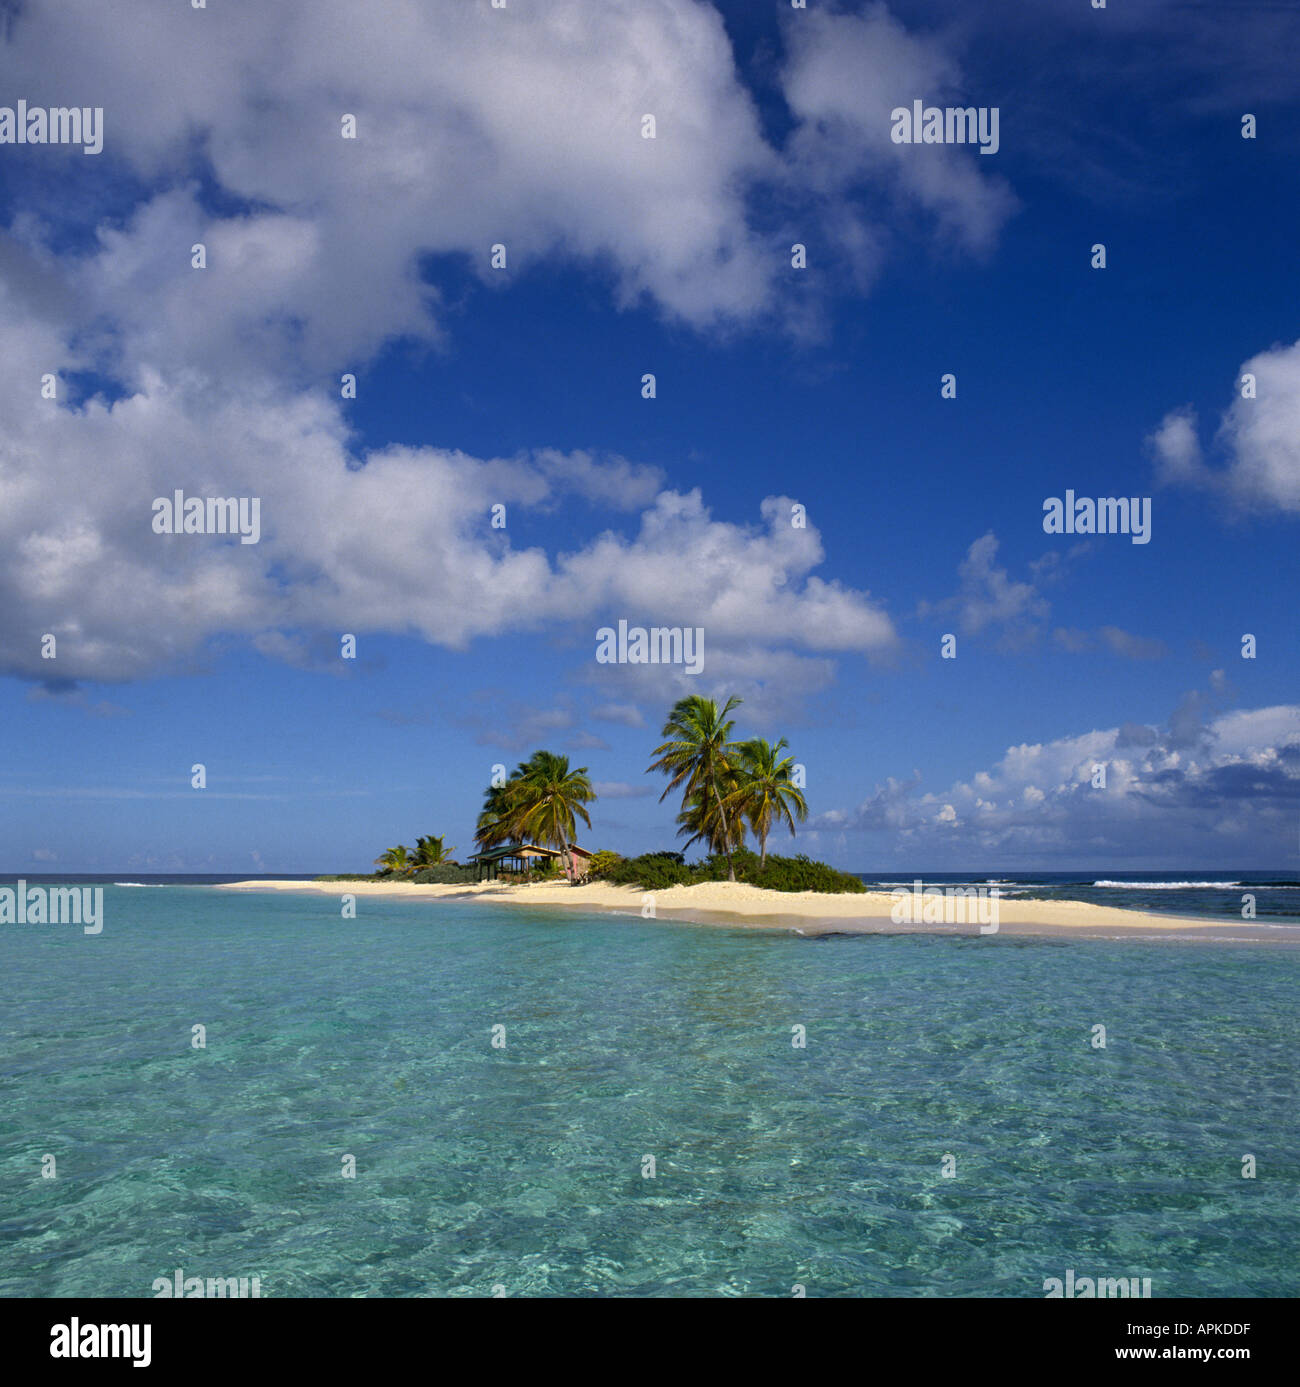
column 601, row 862
column 655, row 871
column 444, row 874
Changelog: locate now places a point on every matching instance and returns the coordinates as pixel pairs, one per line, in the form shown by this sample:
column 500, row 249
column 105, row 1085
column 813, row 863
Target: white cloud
column 844, row 75
column 612, row 481
column 476, row 126
column 1234, row 788
column 738, row 582
column 988, row 596
column 80, row 559
column 1178, row 449
column 1259, row 439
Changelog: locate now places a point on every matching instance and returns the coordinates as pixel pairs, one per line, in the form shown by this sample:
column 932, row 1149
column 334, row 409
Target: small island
column 527, row 853
column 526, row 831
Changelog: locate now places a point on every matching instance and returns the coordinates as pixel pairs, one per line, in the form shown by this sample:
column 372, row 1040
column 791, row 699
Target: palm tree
column 496, row 821
column 546, row 798
column 395, row 859
column 698, row 756
column 766, row 792
column 430, row 851
column 699, row 821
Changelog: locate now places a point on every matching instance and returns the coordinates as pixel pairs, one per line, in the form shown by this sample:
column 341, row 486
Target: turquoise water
column 522, row 1167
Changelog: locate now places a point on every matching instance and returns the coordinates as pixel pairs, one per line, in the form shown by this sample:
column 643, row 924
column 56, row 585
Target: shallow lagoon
column 521, row 1167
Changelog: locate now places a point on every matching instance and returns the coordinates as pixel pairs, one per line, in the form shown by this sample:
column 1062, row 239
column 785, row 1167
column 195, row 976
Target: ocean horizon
column 1216, row 895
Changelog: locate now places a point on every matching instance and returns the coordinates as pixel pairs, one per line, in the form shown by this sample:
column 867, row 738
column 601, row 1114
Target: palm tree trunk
column 726, row 831
column 762, row 858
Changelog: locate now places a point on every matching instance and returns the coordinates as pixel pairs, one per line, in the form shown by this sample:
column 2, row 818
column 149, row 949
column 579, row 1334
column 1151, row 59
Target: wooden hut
column 516, row 858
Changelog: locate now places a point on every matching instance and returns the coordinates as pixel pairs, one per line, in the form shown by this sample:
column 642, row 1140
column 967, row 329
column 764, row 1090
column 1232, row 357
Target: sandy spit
column 736, row 904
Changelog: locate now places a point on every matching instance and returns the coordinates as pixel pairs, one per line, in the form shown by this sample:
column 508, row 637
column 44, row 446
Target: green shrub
column 651, row 871
column 778, row 873
column 657, row 870
column 602, row 863
column 668, row 856
column 445, row 874
column 714, row 867
column 802, row 874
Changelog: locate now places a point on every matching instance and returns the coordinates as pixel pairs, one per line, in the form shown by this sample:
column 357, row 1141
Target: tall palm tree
column 396, row 859
column 431, row 851
column 766, row 793
column 546, row 799
column 698, row 756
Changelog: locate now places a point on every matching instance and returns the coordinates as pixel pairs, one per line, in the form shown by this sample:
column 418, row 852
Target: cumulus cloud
column 475, row 127
column 81, row 561
column 989, row 597
column 843, row 76
column 536, row 109
column 320, row 251
column 685, row 568
column 1177, row 449
column 612, row 482
column 1257, row 446
column 1228, row 788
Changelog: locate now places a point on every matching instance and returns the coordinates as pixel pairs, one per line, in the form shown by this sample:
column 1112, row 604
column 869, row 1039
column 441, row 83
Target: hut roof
column 514, row 850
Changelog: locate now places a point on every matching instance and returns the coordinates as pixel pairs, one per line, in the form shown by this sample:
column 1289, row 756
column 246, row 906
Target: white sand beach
column 736, row 904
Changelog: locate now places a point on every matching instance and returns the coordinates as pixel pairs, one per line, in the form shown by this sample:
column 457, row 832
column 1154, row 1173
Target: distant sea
column 525, row 1166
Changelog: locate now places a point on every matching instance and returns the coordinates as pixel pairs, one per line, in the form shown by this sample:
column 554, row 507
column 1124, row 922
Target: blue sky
column 774, row 386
